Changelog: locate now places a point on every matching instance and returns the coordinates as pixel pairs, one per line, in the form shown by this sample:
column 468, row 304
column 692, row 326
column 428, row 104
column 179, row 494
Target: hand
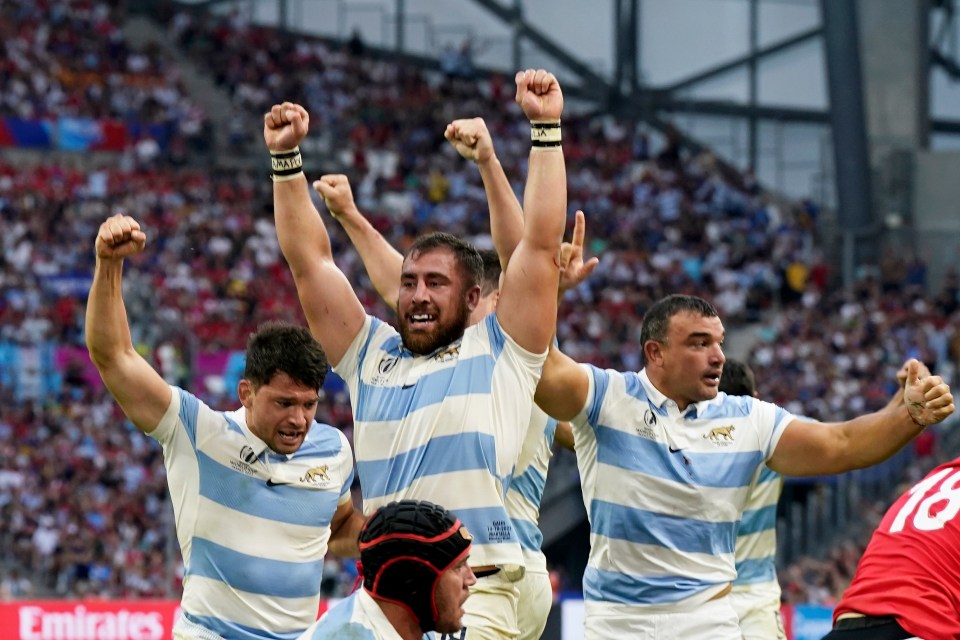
column 922, row 372
column 337, row 195
column 284, row 126
column 539, row 95
column 471, row 139
column 119, row 236
column 928, row 399
column 573, row 270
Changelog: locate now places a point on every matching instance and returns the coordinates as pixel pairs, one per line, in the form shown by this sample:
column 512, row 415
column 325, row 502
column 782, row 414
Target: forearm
column 106, row 325
column 382, row 262
column 873, row 438
column 302, row 235
column 345, row 541
column 545, row 196
column 506, row 215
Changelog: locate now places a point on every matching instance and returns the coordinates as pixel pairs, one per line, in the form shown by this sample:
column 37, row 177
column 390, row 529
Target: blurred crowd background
column 83, row 500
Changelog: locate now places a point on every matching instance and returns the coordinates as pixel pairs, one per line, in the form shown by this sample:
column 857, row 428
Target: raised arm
column 143, row 395
column 563, row 386
column 333, row 310
column 822, row 448
column 527, row 309
column 471, row 139
column 382, row 262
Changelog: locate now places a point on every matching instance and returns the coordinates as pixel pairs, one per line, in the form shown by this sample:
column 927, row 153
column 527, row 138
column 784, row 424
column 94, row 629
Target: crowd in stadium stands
column 70, row 60
column 82, row 495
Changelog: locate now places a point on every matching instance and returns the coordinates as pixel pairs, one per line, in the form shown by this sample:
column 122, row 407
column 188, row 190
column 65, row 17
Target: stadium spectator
column 416, row 577
column 700, row 452
column 276, row 482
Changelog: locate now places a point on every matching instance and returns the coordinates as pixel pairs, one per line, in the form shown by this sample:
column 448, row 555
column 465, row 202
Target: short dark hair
column 491, row 271
column 465, row 254
column 288, row 348
column 656, row 322
column 737, row 379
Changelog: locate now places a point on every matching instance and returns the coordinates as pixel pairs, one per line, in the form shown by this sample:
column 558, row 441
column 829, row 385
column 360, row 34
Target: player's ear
column 246, row 392
column 473, row 297
column 653, row 351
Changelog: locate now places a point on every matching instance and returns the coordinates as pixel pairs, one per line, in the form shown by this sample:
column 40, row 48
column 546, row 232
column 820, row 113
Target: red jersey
column 911, row 568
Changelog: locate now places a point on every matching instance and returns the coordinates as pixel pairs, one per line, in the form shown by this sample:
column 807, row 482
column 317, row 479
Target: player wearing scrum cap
column 413, row 562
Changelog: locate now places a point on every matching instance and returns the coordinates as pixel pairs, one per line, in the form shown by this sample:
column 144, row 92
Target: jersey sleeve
column 349, row 365
column 598, row 380
column 770, row 421
column 346, row 468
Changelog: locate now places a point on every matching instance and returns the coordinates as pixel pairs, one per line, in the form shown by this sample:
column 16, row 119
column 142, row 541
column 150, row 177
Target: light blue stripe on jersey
column 252, row 496
column 252, row 574
column 611, row 586
column 443, row 454
column 189, row 410
column 620, row 522
column 234, row 631
column 339, row 615
column 530, row 485
column 375, row 324
column 529, row 534
column 757, row 520
column 497, row 337
column 488, row 525
column 600, row 383
column 638, row 454
column 231, row 423
column 757, row 570
column 381, row 404
column 767, row 475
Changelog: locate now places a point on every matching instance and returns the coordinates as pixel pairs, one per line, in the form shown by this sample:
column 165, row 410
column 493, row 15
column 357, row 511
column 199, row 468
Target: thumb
column 913, row 373
column 324, row 189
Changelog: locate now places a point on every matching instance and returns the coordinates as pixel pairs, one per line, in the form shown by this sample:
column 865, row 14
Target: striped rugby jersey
column 357, row 617
column 664, row 492
column 526, row 489
column 445, row 427
column 756, row 552
column 253, row 525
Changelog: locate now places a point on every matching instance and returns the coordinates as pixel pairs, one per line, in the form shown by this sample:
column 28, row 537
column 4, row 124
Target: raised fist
column 119, row 236
column 539, row 95
column 284, row 126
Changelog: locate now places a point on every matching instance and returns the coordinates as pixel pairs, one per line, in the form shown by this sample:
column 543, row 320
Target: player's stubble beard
column 445, row 333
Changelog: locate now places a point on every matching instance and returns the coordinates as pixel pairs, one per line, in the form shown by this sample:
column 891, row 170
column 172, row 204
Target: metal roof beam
column 736, row 63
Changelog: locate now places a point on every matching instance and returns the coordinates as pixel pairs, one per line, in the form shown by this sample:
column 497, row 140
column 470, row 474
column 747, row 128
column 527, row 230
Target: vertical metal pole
column 849, row 127
column 752, row 80
column 400, row 24
column 517, row 48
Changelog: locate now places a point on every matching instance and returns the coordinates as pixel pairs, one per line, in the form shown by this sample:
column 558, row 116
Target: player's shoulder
column 325, row 439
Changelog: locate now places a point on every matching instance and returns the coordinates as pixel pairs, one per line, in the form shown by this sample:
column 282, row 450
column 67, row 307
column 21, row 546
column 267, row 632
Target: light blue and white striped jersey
column 253, row 525
column 756, row 553
column 445, row 427
column 664, row 491
column 526, row 490
column 357, row 617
